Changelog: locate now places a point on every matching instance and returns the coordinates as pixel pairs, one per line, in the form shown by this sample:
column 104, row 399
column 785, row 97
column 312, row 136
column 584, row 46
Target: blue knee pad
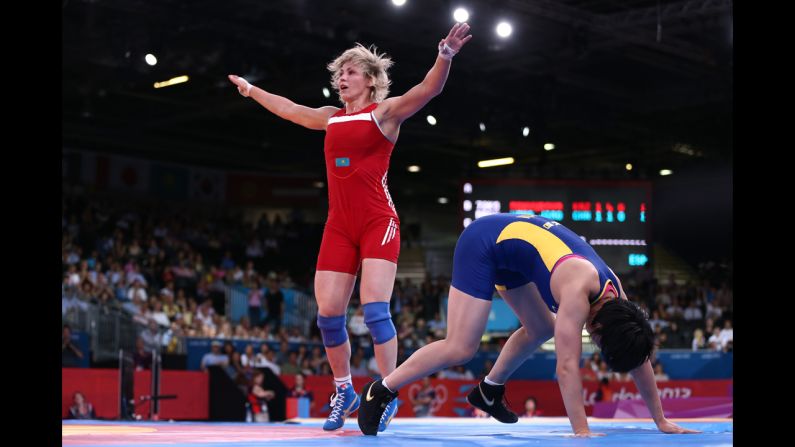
column 333, row 330
column 379, row 321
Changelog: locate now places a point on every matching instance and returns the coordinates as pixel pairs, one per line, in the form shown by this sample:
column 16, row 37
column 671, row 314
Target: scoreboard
column 611, row 216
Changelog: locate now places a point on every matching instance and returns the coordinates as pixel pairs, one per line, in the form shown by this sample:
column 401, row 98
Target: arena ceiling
column 607, row 81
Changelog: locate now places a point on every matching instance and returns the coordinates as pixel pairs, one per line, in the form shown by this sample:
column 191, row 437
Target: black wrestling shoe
column 374, row 400
column 491, row 399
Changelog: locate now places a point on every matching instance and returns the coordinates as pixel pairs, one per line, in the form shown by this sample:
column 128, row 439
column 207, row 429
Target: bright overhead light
column 414, row 168
column 549, row 146
column 482, row 127
column 172, row 81
column 504, row 29
column 398, row 2
column 525, row 131
column 150, row 59
column 431, row 120
column 461, row 15
column 628, row 166
column 326, row 92
column 666, row 172
column 495, row 162
column 442, row 200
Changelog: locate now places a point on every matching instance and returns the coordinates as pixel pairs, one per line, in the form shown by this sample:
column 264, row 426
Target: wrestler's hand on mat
column 457, row 37
column 587, row 434
column 242, row 85
column 667, row 426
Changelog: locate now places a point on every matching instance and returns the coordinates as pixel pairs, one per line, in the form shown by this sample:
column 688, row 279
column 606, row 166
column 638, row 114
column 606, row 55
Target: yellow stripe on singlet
column 548, row 245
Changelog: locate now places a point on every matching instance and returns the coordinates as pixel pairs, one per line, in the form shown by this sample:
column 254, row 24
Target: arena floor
column 413, row 432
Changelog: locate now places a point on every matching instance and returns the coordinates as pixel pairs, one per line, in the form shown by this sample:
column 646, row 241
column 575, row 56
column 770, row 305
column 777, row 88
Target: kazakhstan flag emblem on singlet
column 342, row 162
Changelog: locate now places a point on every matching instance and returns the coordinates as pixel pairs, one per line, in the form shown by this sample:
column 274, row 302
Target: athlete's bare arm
column 572, row 314
column 647, row 386
column 282, row 107
column 393, row 111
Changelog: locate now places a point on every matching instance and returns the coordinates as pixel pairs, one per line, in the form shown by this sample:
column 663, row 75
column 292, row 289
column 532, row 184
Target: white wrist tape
column 445, row 52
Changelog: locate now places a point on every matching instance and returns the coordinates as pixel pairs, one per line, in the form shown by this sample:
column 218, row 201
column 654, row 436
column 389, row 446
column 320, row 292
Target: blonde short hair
column 373, row 65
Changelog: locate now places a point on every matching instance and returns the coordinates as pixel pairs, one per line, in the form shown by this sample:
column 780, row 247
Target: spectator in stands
column 303, row 353
column 205, row 313
column 137, row 290
column 358, row 364
column 265, row 359
column 284, row 351
column 157, row 314
column 225, row 330
column 106, row 301
column 142, row 357
column 405, row 333
column 172, row 338
column 713, row 311
column 360, row 335
column 458, row 372
column 726, row 335
column 255, row 303
column 249, row 358
column 714, row 342
column 236, row 276
column 660, row 337
column 228, row 348
column 290, row 366
column 259, row 397
column 325, row 369
column 372, row 367
column 530, row 408
column 70, row 301
column 189, row 313
column 81, row 408
column 674, row 311
column 699, row 342
column 596, row 360
column 659, row 374
column 437, row 326
column 603, row 372
column 692, row 312
column 318, row 357
column 306, row 367
column 724, row 296
column 71, row 355
column 709, row 326
column 587, row 372
column 235, row 370
column 657, row 320
column 214, row 357
column 300, row 390
column 86, row 290
column 250, row 274
column 675, row 339
column 254, row 249
column 663, row 297
column 227, row 263
column 173, row 308
column 151, row 336
column 422, row 403
column 274, row 299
